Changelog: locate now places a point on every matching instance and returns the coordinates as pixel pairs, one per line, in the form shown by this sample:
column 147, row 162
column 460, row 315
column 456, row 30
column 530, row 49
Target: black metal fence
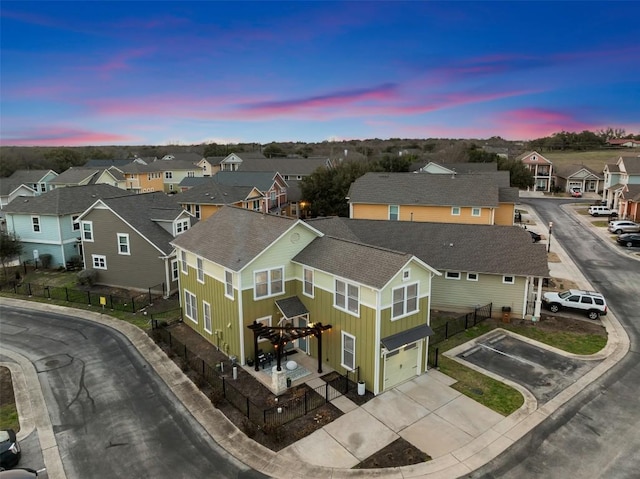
column 455, row 326
column 304, row 401
column 130, row 304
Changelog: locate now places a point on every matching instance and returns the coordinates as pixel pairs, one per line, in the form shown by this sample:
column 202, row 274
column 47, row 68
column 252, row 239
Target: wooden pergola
column 280, row 336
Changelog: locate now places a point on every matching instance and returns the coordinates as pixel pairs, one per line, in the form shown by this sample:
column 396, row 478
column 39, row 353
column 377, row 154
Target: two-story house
column 81, row 176
column 174, row 171
column 482, row 198
column 46, row 224
column 581, row 177
column 242, row 267
column 144, row 178
column 127, row 240
column 622, row 186
column 36, row 180
column 270, row 186
column 541, row 168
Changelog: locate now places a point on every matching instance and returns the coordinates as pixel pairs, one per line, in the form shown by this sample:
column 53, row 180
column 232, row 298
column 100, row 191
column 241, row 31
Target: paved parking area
column 542, row 371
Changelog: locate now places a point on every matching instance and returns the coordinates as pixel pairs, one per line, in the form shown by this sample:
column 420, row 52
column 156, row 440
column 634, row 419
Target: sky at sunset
column 158, row 73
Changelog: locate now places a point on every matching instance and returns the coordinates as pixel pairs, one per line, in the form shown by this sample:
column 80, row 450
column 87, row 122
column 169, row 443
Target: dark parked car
column 629, row 239
column 22, row 474
column 535, row 236
column 9, row 449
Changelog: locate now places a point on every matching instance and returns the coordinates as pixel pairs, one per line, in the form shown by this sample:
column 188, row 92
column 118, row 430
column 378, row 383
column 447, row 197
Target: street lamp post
column 549, row 240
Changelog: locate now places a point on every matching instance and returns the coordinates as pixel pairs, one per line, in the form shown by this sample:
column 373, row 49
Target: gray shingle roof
column 480, row 190
column 7, row 186
column 632, row 164
column 143, row 211
column 64, row 201
column 210, row 192
column 284, row 166
column 29, row 176
column 443, row 246
column 369, row 265
column 263, row 180
column 76, row 175
column 569, row 170
column 233, row 237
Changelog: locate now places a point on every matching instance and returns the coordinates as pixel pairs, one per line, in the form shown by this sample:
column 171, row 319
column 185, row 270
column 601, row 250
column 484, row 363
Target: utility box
column 506, row 314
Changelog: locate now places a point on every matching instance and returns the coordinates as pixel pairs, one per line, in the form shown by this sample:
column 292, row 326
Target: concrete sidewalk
column 458, row 433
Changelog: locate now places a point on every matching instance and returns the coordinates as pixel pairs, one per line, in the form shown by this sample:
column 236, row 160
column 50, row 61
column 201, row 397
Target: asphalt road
column 597, row 433
column 112, row 415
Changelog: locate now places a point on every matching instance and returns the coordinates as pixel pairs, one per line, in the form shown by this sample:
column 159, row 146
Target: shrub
column 88, row 277
column 45, row 260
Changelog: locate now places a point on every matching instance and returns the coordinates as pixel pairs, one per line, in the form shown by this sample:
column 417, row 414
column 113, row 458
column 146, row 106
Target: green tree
column 478, row 155
column 10, row 249
column 519, row 174
column 273, row 150
column 64, row 158
column 396, row 163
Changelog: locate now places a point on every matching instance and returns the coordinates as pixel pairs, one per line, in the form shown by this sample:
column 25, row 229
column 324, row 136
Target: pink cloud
column 65, row 137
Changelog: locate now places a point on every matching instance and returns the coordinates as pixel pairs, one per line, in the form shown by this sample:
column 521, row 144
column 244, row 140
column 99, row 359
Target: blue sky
column 160, row 72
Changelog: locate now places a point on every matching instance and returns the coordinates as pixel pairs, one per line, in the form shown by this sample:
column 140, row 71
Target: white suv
column 590, row 302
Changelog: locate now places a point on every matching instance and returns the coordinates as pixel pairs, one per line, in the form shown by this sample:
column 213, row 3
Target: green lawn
column 596, row 160
column 9, row 417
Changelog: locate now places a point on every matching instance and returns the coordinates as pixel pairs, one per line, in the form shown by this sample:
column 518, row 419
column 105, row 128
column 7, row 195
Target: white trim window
column 200, row 263
column 190, row 306
column 175, row 272
column 123, row 244
column 472, row 276
column 266, row 321
column 509, row 280
column 35, row 224
column 394, row 212
column 228, row 284
column 347, row 297
column 348, row 350
column 168, row 175
column 452, row 275
column 455, row 211
column 268, row 282
column 183, row 262
column 99, row 261
column 87, row 231
column 196, row 211
column 476, row 211
column 405, row 300
column 406, row 275
column 74, row 224
column 206, row 316
column 181, row 226
column 308, row 281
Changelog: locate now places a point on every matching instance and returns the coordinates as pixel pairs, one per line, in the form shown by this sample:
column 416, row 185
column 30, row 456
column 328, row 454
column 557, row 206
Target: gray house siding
column 143, row 268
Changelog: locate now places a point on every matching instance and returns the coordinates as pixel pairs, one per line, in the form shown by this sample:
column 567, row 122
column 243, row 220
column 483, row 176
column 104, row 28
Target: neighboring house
column 540, row 168
column 454, row 168
column 289, row 168
column 233, row 161
column 81, row 176
column 187, row 157
column 624, row 142
column 145, row 178
column 208, row 196
column 38, row 180
column 621, row 180
column 210, row 165
column 46, row 224
column 240, row 267
column 10, row 191
column 109, row 162
column 479, row 264
column 174, row 171
column 271, row 186
column 480, row 198
column 127, row 240
column 578, row 176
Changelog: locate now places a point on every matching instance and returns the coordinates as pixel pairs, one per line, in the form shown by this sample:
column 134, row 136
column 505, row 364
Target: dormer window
column 534, row 158
column 181, row 226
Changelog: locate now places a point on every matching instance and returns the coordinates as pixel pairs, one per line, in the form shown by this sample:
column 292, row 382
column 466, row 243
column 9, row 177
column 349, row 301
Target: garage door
column 401, row 364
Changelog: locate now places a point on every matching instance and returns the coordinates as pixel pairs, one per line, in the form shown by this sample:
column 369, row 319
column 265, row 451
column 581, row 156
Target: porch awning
column 291, row 307
column 406, row 337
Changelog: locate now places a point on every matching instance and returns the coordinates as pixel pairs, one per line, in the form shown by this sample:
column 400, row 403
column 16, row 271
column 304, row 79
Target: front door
column 303, row 343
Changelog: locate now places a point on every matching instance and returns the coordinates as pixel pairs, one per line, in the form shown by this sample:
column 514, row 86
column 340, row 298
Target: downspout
column 377, row 350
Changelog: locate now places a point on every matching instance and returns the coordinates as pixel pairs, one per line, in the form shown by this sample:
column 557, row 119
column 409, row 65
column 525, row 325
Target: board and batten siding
column 224, row 311
column 141, row 269
column 456, row 294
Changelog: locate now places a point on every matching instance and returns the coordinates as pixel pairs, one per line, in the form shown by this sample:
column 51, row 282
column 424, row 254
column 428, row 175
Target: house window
column 348, row 360
column 406, row 275
column 405, row 300
column 475, row 211
column 266, row 321
column 196, row 209
column 308, row 282
column 228, row 284
column 508, row 280
column 174, row 270
column 191, row 174
column 255, row 205
column 346, row 297
column 190, row 306
column 455, row 211
column 35, row 223
column 472, row 276
column 183, row 260
column 168, row 175
column 394, row 212
column 75, row 224
column 43, row 187
column 200, row 264
column 268, row 282
column 123, row 244
column 99, row 261
column 87, row 231
column 452, row 275
column 182, row 226
column 206, row 313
